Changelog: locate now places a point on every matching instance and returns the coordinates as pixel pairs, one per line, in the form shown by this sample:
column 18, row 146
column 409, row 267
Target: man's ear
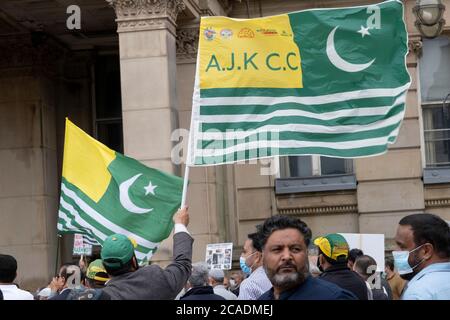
column 135, row 263
column 428, row 251
column 321, row 258
column 258, row 257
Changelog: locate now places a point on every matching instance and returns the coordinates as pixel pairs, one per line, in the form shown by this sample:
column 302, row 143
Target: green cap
column 334, row 246
column 117, row 250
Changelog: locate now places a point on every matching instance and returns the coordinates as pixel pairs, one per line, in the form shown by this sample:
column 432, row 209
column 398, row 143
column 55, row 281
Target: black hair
column 97, row 284
column 63, row 269
column 65, row 274
column 429, row 228
column 342, row 260
column 8, row 268
column 281, row 222
column 389, row 262
column 363, row 264
column 123, row 267
column 353, row 254
column 256, row 241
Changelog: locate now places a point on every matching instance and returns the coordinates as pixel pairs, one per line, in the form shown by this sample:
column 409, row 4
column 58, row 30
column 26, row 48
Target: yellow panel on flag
column 258, row 53
column 86, row 162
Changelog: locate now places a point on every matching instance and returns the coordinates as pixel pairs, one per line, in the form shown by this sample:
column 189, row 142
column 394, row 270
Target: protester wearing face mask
column 251, row 264
column 235, row 281
column 424, row 257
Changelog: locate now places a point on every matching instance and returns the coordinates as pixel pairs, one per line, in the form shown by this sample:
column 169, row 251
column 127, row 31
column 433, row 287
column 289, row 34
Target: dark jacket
column 201, row 293
column 346, row 279
column 81, row 294
column 152, row 282
column 387, row 287
column 236, row 291
column 378, row 294
column 383, row 293
column 312, row 289
column 61, row 296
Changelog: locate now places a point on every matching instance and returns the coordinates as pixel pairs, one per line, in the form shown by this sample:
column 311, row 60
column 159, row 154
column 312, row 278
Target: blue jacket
column 312, row 289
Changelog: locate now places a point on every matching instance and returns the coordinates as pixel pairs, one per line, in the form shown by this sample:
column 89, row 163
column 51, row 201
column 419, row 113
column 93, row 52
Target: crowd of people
column 276, row 264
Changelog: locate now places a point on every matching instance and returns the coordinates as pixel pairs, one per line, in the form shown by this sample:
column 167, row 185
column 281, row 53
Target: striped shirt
column 255, row 285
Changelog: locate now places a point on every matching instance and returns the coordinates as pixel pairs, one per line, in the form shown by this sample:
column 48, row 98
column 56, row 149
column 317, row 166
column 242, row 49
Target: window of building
column 434, row 70
column 309, row 166
column 108, row 102
column 435, row 87
column 314, row 173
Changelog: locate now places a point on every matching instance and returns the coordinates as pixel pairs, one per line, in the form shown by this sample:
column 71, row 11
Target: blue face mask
column 401, row 261
column 244, row 267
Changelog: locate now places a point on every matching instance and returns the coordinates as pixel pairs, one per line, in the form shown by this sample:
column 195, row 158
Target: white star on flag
column 364, row 31
column 150, row 188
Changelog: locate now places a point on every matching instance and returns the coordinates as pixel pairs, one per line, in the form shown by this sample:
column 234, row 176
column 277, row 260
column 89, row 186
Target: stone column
column 28, row 155
column 147, row 43
column 147, row 37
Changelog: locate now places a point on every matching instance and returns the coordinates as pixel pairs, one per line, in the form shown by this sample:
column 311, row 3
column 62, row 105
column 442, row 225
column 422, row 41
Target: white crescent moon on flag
column 125, row 198
column 340, row 63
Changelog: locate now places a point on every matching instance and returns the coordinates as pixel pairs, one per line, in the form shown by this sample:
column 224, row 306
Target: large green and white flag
column 330, row 82
column 104, row 192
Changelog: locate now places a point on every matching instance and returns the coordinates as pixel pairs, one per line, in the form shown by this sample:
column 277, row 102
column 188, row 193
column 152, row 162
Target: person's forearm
column 179, row 227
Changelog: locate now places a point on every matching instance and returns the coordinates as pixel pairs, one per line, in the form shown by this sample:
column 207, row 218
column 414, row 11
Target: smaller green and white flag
column 104, row 192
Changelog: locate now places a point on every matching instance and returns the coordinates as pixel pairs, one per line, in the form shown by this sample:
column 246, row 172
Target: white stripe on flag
column 68, row 222
column 103, row 221
column 251, row 117
column 86, row 225
column 88, row 240
column 80, row 220
column 328, row 98
column 308, row 128
column 279, row 144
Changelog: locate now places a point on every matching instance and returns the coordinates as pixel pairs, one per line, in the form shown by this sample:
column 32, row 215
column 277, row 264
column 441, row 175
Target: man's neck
column 6, row 284
column 256, row 267
column 390, row 274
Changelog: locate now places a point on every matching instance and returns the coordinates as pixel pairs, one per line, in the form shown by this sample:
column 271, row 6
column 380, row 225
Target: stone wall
column 28, row 158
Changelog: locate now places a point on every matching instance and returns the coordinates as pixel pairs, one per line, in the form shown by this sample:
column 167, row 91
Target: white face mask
column 401, row 261
column 232, row 284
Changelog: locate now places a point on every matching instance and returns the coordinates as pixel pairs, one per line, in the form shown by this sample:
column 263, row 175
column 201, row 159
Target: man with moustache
column 424, row 257
column 285, row 242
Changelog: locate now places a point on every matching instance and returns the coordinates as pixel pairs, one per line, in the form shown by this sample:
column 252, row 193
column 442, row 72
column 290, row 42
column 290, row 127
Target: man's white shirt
column 11, row 292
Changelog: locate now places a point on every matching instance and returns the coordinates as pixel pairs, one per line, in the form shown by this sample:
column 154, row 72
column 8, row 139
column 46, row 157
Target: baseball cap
column 96, row 271
column 334, row 246
column 117, row 250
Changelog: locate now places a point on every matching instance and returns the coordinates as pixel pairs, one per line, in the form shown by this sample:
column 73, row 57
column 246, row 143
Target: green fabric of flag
column 104, row 192
column 329, row 82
